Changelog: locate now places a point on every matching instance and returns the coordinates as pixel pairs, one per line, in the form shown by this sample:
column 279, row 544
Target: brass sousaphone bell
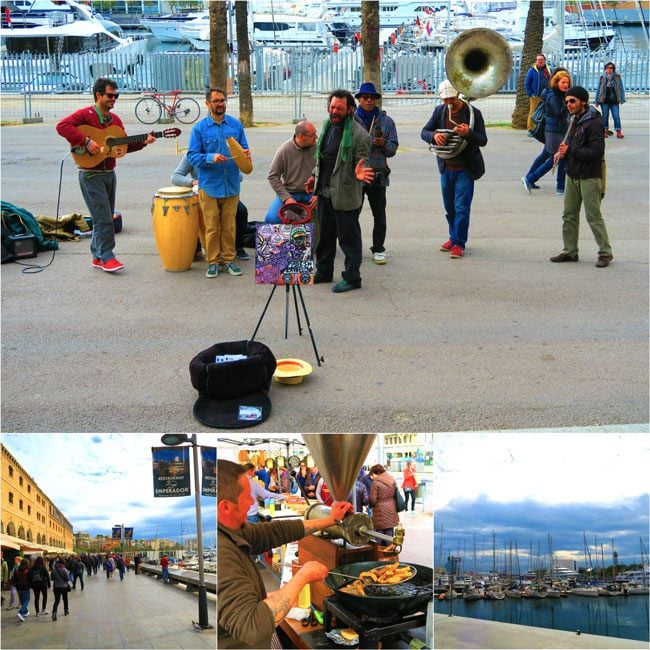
column 478, row 63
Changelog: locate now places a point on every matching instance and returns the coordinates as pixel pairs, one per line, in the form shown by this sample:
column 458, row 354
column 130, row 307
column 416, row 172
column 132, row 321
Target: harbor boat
column 585, row 591
column 391, row 14
column 169, row 28
column 291, row 29
column 472, row 594
column 638, row 590
column 74, row 31
column 553, row 592
column 513, row 593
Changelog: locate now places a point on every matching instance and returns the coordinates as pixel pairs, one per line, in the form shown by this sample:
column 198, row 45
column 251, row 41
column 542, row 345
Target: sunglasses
column 112, row 95
column 570, row 101
column 218, row 101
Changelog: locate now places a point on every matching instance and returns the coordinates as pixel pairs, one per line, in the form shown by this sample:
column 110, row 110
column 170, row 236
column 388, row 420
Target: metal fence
column 291, row 71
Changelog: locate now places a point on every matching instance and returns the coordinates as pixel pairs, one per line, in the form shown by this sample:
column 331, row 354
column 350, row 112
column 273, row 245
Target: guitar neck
column 134, row 138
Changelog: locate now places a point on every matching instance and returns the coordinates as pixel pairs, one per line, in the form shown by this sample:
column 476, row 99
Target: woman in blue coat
column 609, row 95
column 555, row 126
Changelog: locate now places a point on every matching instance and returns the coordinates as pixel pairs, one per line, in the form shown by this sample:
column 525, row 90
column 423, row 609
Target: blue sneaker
column 527, row 185
column 242, row 254
column 213, row 271
column 232, row 268
column 344, row 286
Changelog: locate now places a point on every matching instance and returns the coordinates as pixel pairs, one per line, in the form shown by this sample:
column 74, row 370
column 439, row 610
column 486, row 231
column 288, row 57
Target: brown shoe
column 604, row 260
column 564, row 257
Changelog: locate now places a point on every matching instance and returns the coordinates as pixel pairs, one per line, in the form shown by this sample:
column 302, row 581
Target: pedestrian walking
column 127, row 561
column 409, row 485
column 13, row 595
column 164, row 563
column 77, row 572
column 610, row 94
column 60, row 586
column 383, row 132
column 583, row 154
column 382, row 500
column 108, row 567
column 459, row 128
column 536, row 81
column 5, row 575
column 556, row 123
column 21, row 582
column 120, row 566
column 137, row 560
column 40, row 583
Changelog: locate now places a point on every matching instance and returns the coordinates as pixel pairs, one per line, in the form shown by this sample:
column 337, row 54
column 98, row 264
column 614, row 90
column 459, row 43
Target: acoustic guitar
column 114, row 143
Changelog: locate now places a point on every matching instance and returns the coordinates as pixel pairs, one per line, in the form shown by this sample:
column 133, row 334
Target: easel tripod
column 297, row 293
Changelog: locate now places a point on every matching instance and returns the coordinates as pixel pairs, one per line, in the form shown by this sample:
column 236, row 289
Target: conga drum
column 175, row 226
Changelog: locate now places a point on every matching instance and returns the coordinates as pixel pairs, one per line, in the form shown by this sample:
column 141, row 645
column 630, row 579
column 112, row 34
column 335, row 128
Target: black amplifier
column 22, row 246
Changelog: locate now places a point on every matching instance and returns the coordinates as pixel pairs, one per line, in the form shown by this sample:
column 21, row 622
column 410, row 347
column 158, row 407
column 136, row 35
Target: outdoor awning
column 18, row 544
column 7, row 543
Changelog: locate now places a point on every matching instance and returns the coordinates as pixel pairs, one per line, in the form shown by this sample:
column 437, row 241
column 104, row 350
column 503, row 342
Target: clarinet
column 566, row 137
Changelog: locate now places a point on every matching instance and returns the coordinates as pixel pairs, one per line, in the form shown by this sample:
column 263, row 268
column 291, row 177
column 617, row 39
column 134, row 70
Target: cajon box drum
column 175, row 226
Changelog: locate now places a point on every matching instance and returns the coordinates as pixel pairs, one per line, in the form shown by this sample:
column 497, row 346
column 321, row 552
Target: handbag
column 400, row 504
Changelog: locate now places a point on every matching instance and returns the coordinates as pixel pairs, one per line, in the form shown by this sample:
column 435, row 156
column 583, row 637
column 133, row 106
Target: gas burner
column 370, row 629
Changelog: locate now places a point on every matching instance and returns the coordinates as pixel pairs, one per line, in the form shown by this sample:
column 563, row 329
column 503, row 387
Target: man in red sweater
column 97, row 181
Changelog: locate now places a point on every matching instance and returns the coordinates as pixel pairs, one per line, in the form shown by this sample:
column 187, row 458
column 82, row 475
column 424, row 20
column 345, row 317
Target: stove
column 370, row 630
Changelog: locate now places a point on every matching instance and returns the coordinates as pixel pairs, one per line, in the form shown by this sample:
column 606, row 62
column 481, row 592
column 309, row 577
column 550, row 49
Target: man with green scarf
column 340, row 153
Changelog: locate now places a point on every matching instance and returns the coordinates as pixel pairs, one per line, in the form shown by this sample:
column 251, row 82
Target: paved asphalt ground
column 500, row 339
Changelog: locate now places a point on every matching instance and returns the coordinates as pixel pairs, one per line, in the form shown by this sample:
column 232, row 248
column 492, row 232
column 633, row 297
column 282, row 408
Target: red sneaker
column 97, row 263
column 456, row 251
column 447, row 246
column 112, row 265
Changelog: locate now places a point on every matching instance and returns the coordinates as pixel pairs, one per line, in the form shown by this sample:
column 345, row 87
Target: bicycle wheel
column 187, row 110
column 148, row 110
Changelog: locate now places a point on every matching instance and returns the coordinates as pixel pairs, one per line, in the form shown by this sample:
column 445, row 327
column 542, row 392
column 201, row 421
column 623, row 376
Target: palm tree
column 533, row 36
column 243, row 64
column 370, row 42
column 219, row 45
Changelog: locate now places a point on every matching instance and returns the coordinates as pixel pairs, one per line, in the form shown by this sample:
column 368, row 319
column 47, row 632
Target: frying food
column 390, row 574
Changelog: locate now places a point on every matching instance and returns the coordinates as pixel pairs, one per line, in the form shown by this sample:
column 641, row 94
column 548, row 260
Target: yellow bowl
column 239, row 157
column 291, row 371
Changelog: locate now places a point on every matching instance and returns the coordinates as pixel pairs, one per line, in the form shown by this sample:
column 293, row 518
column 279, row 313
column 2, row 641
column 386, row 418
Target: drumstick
column 566, row 137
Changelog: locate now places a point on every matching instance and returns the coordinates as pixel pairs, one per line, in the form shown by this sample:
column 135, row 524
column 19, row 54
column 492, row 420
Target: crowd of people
column 61, row 573
column 333, row 172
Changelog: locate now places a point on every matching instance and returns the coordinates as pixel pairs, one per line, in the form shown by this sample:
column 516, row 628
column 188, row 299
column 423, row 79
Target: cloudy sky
column 101, row 480
column 526, row 486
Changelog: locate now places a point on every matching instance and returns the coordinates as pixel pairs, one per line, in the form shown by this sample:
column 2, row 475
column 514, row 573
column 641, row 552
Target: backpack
column 538, row 119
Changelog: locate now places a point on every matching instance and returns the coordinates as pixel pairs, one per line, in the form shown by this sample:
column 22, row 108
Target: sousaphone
column 478, row 63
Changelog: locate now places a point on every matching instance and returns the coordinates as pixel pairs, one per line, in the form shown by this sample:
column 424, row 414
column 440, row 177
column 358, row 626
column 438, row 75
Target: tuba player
column 455, row 132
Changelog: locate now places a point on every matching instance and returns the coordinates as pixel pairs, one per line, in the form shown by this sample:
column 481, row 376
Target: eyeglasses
column 218, row 101
column 112, row 95
column 311, row 135
column 570, row 101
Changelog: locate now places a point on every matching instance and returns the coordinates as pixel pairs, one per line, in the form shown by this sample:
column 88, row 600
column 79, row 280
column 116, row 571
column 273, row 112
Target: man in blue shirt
column 218, row 180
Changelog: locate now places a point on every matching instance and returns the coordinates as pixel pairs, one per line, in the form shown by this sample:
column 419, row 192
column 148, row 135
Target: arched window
column 30, row 536
column 11, row 529
column 21, row 533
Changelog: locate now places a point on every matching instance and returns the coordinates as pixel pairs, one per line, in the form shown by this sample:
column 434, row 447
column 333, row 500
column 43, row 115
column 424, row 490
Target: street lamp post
column 174, row 440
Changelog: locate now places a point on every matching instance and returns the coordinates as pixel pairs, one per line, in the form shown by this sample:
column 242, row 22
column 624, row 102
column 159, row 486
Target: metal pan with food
column 376, row 599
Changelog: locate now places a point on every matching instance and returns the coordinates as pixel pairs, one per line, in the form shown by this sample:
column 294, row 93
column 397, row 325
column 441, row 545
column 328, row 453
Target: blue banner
column 171, row 471
column 209, row 471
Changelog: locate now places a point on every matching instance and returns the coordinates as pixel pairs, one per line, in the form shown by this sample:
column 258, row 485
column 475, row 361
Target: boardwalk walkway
column 139, row 612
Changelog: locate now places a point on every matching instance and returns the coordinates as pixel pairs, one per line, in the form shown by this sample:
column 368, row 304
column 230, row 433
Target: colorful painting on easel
column 283, row 254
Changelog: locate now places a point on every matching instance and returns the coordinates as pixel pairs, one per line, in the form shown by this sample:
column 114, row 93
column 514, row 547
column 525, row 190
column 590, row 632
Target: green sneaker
column 213, row 271
column 232, row 268
column 343, row 286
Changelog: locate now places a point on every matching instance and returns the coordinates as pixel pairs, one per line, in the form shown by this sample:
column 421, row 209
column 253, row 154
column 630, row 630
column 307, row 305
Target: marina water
column 623, row 617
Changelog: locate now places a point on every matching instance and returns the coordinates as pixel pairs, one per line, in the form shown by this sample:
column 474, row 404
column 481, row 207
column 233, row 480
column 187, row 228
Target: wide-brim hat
column 291, row 371
column 240, row 159
column 367, row 88
column 446, row 90
column 233, row 394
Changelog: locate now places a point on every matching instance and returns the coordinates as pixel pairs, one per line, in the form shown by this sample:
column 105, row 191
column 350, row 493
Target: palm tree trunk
column 370, row 42
column 219, row 45
column 243, row 64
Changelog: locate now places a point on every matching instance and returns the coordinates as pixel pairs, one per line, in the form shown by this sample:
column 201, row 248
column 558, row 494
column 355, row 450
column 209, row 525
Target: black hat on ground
column 578, row 92
column 233, row 394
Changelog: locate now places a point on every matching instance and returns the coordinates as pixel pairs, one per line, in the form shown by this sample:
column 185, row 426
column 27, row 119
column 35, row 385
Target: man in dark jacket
column 457, row 120
column 247, row 614
column 536, row 82
column 583, row 154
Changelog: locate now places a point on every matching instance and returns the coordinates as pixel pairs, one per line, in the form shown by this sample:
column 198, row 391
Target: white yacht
column 74, row 29
column 169, row 28
column 291, row 29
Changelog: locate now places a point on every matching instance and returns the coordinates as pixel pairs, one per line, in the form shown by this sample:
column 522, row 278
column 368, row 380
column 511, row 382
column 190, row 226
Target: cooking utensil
column 383, row 601
column 367, row 580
